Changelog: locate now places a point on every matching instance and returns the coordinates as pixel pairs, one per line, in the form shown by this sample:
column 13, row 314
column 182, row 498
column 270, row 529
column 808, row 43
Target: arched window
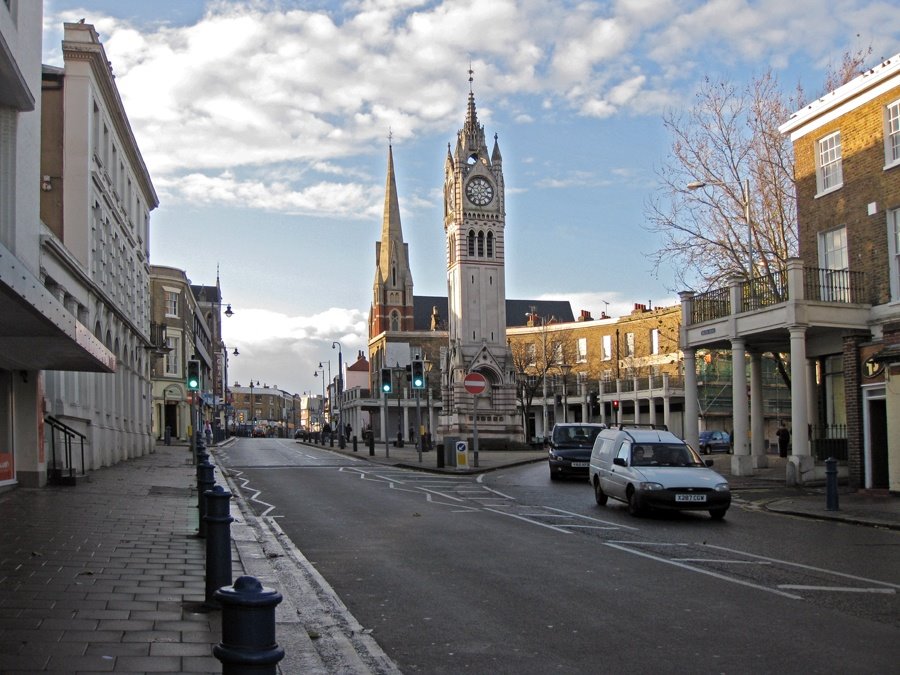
column 490, row 245
column 395, row 320
column 472, row 243
column 481, row 244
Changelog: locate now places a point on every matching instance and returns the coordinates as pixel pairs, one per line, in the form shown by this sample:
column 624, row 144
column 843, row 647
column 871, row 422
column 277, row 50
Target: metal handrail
column 69, row 434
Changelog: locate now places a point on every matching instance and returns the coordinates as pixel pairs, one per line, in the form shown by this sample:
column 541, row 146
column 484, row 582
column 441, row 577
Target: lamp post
column 252, row 409
column 330, row 418
column 321, row 369
column 340, row 391
column 565, row 368
column 745, row 202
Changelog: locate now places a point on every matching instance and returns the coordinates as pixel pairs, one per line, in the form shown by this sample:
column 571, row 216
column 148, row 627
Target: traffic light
column 193, row 375
column 418, row 375
column 595, row 406
column 616, row 404
column 241, row 418
column 386, row 385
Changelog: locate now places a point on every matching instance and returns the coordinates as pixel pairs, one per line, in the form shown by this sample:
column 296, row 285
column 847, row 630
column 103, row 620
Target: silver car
column 654, row 469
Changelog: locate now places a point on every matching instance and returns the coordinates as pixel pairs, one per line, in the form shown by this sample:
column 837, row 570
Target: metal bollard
column 831, row 485
column 371, row 444
column 248, row 628
column 205, row 481
column 355, row 445
column 218, row 541
column 342, row 441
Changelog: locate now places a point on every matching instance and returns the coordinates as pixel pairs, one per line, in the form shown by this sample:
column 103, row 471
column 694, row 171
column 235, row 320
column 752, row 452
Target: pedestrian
column 207, row 431
column 349, row 430
column 784, row 440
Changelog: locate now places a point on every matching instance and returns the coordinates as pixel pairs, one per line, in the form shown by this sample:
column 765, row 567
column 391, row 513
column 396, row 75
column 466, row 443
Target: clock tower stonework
column 474, row 224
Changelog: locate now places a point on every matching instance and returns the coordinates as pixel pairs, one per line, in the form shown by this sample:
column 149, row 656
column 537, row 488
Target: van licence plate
column 580, row 465
column 690, row 498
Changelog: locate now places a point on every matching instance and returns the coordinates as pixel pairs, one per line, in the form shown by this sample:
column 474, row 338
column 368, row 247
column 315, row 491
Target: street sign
column 475, row 383
column 462, row 455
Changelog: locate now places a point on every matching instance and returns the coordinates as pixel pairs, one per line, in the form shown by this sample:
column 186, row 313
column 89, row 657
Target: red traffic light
column 615, row 405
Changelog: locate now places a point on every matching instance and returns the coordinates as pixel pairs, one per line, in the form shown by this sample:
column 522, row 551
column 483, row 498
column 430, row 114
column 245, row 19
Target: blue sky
column 265, row 124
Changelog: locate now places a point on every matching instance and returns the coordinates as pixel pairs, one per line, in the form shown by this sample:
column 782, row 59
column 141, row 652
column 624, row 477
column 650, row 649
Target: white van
column 648, row 467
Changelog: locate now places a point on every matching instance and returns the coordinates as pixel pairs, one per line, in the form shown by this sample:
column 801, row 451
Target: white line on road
column 802, row 566
column 728, row 562
column 528, row 520
column 595, row 520
column 669, row 561
column 837, row 589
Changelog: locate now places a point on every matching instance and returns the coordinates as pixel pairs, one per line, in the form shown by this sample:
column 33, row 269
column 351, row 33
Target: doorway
column 877, row 449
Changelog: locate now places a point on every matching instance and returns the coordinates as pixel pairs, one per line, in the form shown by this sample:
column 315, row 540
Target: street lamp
column 565, row 368
column 252, row 409
column 340, row 391
column 745, row 201
column 321, row 369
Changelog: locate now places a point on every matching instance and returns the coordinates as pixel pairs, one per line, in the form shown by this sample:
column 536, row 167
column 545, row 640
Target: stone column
column 741, row 462
column 757, row 417
column 800, row 467
column 666, row 397
column 691, row 402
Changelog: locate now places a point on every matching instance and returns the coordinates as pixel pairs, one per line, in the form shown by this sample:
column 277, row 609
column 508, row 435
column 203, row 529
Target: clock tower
column 474, row 223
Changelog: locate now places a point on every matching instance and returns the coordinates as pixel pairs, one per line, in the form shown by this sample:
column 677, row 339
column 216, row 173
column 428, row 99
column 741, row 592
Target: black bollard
column 205, row 481
column 355, row 446
column 248, row 628
column 371, row 444
column 440, row 456
column 831, row 485
column 218, row 541
column 342, row 441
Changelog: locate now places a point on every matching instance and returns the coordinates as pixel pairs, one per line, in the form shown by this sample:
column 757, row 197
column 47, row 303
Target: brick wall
column 864, row 181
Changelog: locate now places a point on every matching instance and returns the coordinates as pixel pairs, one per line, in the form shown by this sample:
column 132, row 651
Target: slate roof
column 560, row 310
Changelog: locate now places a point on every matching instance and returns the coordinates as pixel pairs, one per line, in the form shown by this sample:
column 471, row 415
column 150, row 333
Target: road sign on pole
column 475, row 383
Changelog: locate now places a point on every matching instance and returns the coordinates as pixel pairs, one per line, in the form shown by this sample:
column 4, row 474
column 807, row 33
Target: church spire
column 471, row 125
column 390, row 224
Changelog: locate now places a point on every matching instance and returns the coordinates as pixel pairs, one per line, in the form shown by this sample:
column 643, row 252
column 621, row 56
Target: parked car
column 570, row 448
column 651, row 468
column 714, row 441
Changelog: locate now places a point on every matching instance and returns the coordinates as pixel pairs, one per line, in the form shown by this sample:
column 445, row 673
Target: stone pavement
column 108, row 575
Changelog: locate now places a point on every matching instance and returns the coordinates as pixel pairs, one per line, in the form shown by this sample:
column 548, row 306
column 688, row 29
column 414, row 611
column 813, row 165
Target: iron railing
column 828, row 440
column 714, row 304
column 841, row 286
column 62, row 470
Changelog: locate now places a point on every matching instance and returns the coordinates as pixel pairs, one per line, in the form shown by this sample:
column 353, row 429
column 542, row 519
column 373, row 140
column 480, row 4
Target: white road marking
column 806, row 567
column 669, row 561
column 595, row 520
column 528, row 520
column 728, row 562
column 837, row 589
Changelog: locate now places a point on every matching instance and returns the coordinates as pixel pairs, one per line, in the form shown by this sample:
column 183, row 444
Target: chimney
column 585, row 316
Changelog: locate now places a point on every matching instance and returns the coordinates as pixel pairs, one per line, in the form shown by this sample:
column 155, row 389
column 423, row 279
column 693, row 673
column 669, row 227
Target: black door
column 878, row 447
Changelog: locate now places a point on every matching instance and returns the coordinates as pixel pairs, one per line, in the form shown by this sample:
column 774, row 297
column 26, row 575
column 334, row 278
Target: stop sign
column 475, row 383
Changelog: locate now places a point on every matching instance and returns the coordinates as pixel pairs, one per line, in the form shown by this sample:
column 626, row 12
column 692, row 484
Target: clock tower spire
column 474, row 225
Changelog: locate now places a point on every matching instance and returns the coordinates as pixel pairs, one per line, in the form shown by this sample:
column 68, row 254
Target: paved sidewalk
column 109, row 576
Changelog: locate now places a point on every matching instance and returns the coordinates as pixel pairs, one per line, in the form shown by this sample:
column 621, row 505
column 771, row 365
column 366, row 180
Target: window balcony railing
column 841, row 286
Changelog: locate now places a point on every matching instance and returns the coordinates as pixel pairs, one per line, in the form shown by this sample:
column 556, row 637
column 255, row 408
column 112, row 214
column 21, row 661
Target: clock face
column 479, row 191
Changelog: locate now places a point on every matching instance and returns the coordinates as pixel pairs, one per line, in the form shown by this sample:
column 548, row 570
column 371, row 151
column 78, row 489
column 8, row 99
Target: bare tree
column 726, row 204
column 729, row 141
column 534, row 358
column 729, row 138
